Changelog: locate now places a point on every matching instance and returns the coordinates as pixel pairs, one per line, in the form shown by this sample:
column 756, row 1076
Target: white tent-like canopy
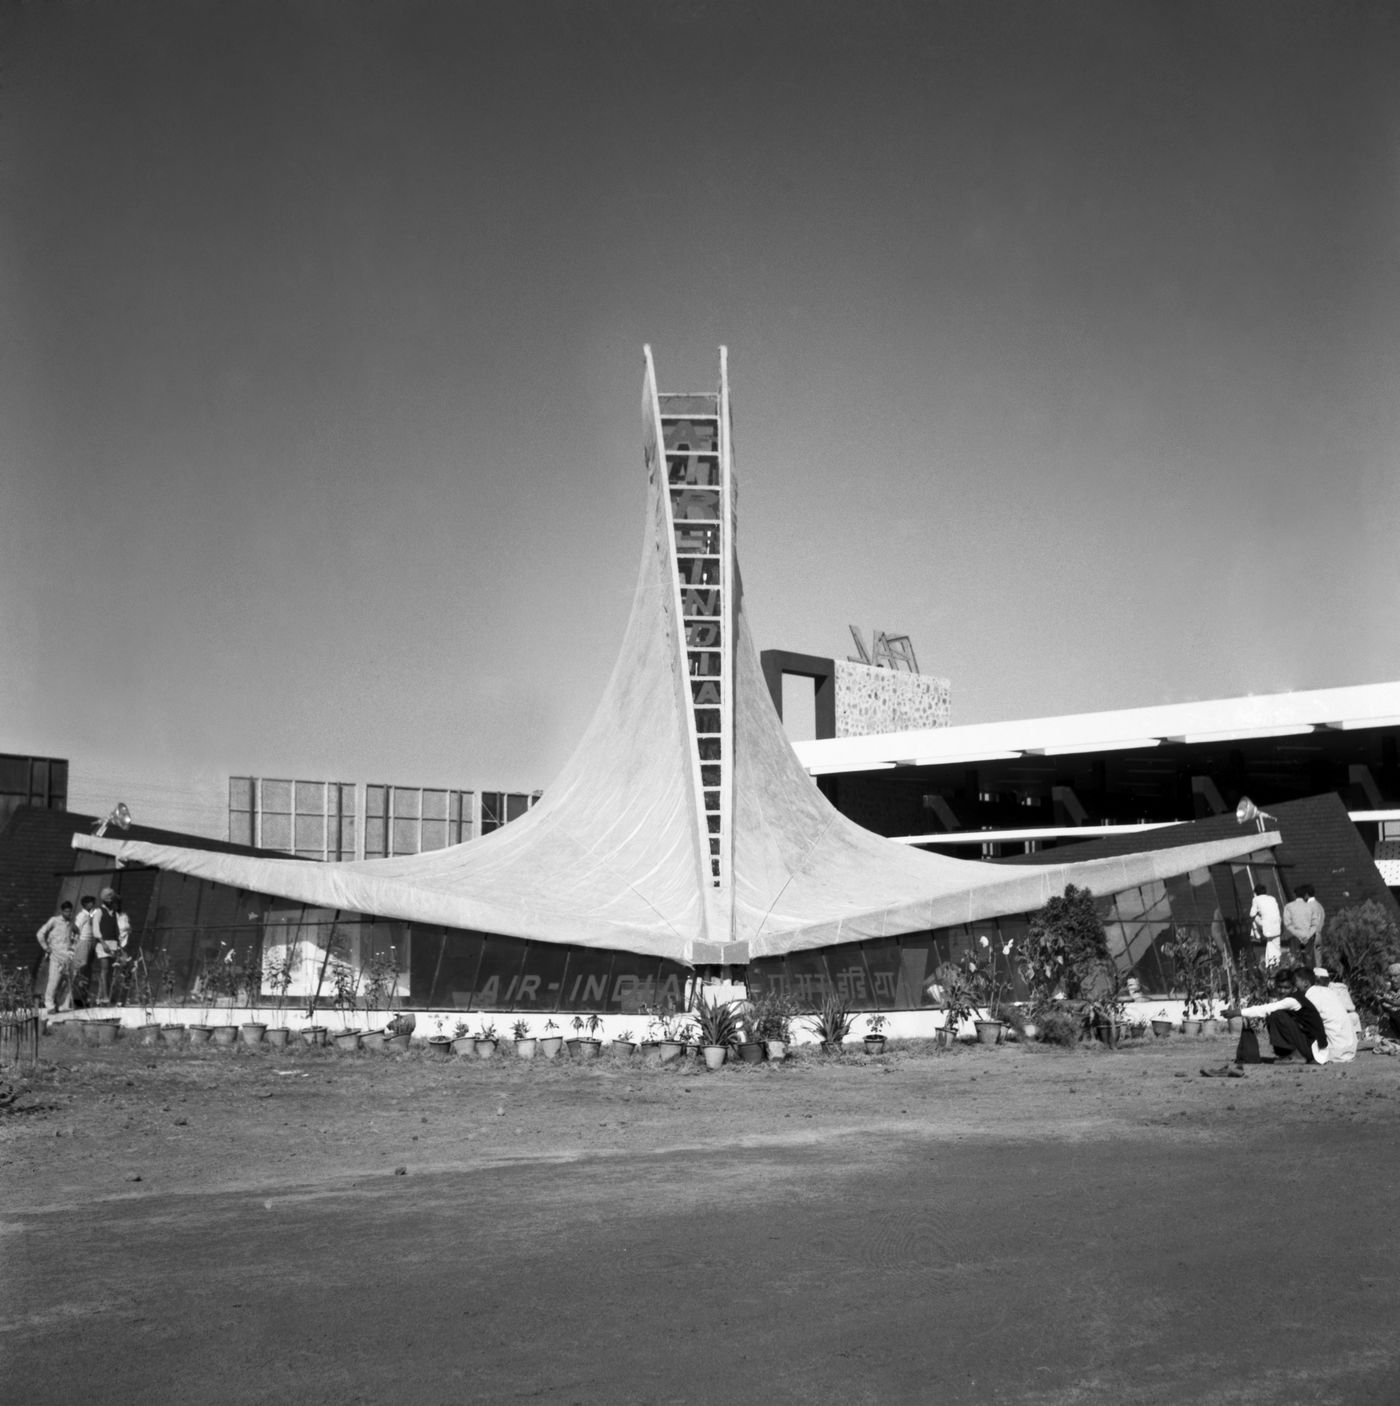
column 683, row 826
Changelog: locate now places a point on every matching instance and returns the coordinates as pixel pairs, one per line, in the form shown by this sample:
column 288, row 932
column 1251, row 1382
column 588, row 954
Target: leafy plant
column 1191, row 954
column 590, row 1023
column 876, row 1024
column 379, row 981
column 626, row 1036
column 832, row 1020
column 549, row 1025
column 521, row 1029
column 1065, row 951
column 279, row 972
column 716, row 1022
column 665, row 1023
column 958, row 997
column 770, row 1016
column 1059, row 1027
column 1366, row 941
column 345, row 987
column 460, row 1031
column 487, row 1031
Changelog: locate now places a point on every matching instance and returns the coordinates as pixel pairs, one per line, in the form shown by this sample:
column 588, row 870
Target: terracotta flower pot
column 347, row 1040
column 1161, row 1028
column 464, row 1045
column 277, row 1037
column 525, row 1049
column 587, row 1049
column 484, row 1048
column 714, row 1055
column 667, row 1050
column 776, row 1049
column 751, row 1052
column 252, row 1031
column 400, row 1040
column 314, row 1034
column 874, row 1044
column 988, row 1031
column 150, row 1034
column 439, row 1046
column 624, row 1049
column 172, row 1034
column 224, row 1035
column 374, row 1041
column 550, row 1045
column 199, row 1034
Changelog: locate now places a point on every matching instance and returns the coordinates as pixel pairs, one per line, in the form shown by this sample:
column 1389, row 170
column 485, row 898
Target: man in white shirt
column 1266, row 925
column 1336, row 1017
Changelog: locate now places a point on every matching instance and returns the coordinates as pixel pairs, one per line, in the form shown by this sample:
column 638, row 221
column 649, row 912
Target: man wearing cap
column 59, row 938
column 113, row 930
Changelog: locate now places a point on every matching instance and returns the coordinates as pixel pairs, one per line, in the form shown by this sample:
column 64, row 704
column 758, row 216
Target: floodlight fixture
column 119, row 813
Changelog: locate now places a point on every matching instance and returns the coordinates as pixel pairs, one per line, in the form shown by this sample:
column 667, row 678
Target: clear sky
column 1063, row 337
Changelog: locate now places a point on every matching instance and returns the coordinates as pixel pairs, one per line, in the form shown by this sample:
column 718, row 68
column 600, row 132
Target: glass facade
column 31, row 781
column 192, row 924
column 897, row 973
column 310, row 819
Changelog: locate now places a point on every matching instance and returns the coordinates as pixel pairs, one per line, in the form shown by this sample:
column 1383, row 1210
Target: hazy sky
column 1063, row 337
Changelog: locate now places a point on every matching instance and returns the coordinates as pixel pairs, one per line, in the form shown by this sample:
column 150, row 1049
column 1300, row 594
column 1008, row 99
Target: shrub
column 1066, row 950
column 1060, row 1028
column 1366, row 941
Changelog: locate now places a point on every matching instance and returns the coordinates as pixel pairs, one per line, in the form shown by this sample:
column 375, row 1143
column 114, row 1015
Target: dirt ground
column 1009, row 1225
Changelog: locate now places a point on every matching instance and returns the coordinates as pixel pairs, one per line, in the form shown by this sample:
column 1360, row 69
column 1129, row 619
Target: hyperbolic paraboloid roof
column 683, row 825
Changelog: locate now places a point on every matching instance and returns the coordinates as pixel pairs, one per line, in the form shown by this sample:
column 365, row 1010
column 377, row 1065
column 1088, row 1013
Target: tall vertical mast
column 696, row 525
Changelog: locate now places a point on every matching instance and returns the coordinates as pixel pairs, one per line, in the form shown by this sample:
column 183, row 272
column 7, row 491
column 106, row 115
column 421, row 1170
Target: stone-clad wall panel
column 870, row 700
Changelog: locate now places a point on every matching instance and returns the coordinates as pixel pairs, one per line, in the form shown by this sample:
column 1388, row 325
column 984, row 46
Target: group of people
column 1301, row 918
column 1308, row 1017
column 81, row 951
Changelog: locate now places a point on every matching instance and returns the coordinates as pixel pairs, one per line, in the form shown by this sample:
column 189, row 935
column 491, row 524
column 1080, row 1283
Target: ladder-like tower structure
column 687, row 441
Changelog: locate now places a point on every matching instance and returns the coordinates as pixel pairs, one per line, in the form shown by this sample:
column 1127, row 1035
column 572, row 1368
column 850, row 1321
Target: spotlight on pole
column 1247, row 811
column 118, row 814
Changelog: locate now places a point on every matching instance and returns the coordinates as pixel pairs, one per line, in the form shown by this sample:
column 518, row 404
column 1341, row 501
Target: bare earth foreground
column 984, row 1225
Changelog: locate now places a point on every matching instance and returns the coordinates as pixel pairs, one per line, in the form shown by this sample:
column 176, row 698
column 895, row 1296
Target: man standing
column 1303, row 919
column 86, row 923
column 59, row 938
column 1265, row 925
column 113, row 930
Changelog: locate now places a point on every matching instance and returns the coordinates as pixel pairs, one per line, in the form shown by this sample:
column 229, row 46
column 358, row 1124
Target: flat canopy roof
column 1210, row 720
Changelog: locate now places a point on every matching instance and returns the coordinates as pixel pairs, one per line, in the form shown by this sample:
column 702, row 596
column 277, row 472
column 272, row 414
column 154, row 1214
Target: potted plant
column 207, row 988
column 956, row 994
column 250, row 978
column 345, row 993
column 586, row 1046
column 624, row 1045
column 144, row 990
column 379, row 979
column 1161, row 1024
column 551, row 1042
column 1191, row 958
column 875, row 1039
column 669, row 1031
column 440, row 1045
column 463, row 1041
column 988, row 981
column 278, row 972
column 525, row 1043
column 769, row 1018
column 485, row 1040
column 832, row 1021
column 716, row 1029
